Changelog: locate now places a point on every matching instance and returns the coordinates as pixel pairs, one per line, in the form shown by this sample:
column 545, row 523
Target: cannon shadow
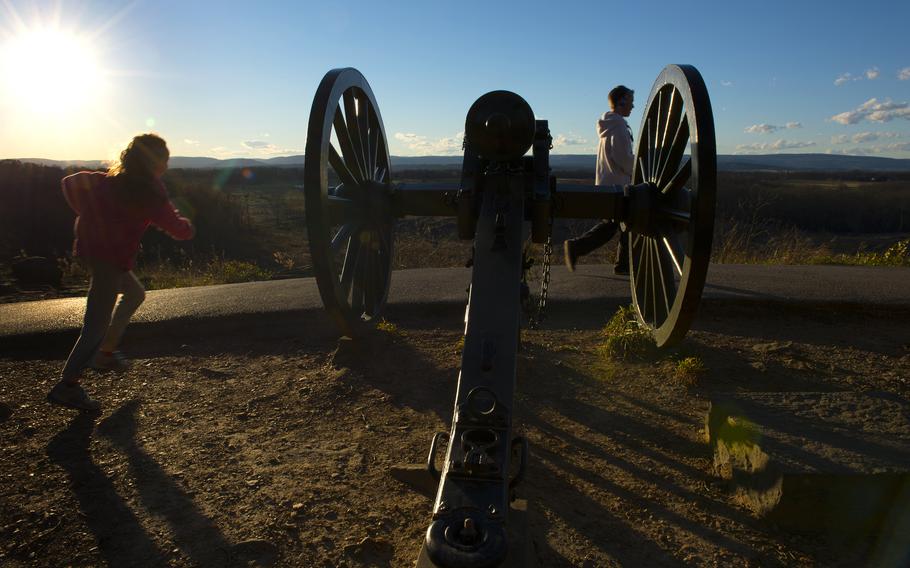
column 608, row 464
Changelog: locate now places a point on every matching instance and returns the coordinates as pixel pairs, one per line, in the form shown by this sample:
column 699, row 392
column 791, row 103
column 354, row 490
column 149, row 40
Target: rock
column 772, row 347
column 370, row 551
column 254, row 552
column 816, row 461
column 36, row 273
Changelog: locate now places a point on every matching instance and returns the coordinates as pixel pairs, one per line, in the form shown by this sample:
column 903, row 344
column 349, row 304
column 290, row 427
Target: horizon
column 777, row 86
column 301, row 155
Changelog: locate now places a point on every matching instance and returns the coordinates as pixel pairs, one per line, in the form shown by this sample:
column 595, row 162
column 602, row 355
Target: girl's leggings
column 100, row 330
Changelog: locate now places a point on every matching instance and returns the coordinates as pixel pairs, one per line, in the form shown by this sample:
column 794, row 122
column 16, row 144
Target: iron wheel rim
column 349, row 223
column 669, row 264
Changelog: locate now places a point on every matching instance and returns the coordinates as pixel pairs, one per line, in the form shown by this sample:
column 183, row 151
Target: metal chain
column 535, row 319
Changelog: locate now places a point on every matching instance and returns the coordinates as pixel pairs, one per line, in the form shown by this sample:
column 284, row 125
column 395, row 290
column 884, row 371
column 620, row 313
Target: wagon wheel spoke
column 347, row 147
column 655, row 283
column 673, row 113
column 676, row 150
column 351, row 260
column 343, row 234
column 337, row 163
column 670, row 241
column 649, row 127
column 363, row 127
column 642, row 273
column 656, row 139
column 679, row 178
column 667, row 282
column 357, row 284
column 373, row 143
column 353, row 125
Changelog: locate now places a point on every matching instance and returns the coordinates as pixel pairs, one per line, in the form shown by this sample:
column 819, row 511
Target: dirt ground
column 275, row 449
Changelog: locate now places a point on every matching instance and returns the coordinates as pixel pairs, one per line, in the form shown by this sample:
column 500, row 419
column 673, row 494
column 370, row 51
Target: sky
column 232, row 78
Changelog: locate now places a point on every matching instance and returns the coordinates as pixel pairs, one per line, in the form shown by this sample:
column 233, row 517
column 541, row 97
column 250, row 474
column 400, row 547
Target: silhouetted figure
column 113, row 210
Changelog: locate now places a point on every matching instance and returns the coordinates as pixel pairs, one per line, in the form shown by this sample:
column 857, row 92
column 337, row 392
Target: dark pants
column 598, row 236
column 101, row 329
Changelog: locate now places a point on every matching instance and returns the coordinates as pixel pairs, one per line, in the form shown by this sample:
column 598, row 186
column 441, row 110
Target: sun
column 51, row 71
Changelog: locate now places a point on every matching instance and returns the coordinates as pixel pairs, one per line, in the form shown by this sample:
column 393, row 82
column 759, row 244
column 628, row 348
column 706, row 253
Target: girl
column 113, row 211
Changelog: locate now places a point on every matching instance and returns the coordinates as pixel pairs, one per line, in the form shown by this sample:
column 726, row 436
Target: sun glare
column 50, row 71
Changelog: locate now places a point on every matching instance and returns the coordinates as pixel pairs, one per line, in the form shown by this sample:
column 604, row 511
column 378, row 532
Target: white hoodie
column 614, row 152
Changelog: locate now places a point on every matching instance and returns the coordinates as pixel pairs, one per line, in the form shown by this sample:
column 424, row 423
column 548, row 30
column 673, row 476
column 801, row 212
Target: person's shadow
column 121, row 538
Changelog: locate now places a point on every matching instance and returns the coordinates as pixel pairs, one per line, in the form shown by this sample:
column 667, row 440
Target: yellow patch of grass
column 625, row 338
column 387, row 327
column 689, row 370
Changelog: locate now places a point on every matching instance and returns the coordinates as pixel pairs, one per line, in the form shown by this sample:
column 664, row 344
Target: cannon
column 507, row 192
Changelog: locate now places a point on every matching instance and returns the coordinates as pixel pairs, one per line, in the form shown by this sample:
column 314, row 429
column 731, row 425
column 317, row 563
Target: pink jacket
column 106, row 229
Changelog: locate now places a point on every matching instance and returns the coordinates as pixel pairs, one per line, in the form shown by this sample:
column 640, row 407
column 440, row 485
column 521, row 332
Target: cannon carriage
column 507, row 192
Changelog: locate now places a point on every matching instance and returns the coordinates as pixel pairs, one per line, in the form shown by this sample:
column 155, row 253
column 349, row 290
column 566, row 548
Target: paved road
column 887, row 288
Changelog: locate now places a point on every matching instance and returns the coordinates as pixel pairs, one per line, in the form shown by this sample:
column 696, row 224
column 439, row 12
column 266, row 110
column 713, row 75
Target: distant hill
column 766, row 162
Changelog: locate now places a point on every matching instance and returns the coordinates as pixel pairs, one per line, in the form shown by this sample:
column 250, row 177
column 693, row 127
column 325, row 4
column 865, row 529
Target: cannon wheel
column 347, row 186
column 676, row 154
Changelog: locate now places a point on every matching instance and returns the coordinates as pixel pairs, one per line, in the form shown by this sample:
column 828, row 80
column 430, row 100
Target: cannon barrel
column 499, row 127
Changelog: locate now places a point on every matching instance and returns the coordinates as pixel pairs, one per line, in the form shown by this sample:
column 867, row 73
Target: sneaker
column 113, row 361
column 568, row 248
column 621, row 269
column 71, row 395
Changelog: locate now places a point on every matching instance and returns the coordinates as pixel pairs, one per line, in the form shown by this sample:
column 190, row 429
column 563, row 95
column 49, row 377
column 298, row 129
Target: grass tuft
column 625, row 339
column 387, row 327
column 690, row 370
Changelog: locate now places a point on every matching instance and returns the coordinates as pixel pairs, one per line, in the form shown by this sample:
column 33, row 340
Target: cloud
column 561, row 141
column 845, row 78
column 419, row 145
column 904, row 74
column 769, row 128
column 253, row 149
column 775, row 146
column 189, row 142
column 761, row 129
column 726, row 83
column 870, row 74
column 257, row 144
column 893, row 148
column 863, row 137
column 876, row 111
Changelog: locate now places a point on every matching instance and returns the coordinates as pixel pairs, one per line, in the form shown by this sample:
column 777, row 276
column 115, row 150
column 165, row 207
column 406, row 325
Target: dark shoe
column 114, row 361
column 71, row 395
column 621, row 269
column 568, row 248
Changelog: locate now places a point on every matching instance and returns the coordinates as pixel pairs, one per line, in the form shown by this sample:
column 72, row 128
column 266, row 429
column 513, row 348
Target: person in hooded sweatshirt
column 614, row 167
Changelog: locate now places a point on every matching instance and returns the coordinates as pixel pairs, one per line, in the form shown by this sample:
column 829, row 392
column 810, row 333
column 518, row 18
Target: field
column 276, row 448
column 251, row 225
